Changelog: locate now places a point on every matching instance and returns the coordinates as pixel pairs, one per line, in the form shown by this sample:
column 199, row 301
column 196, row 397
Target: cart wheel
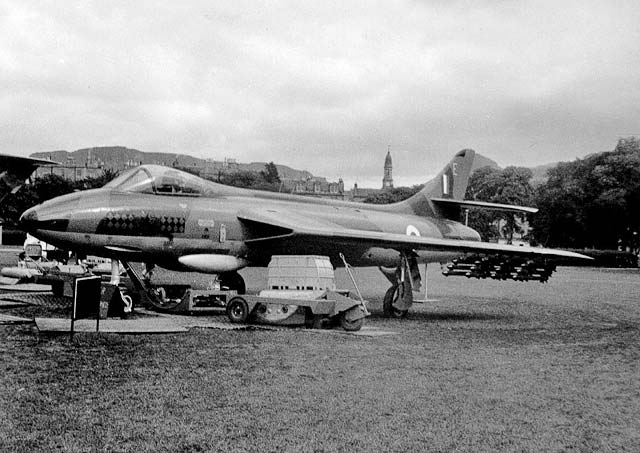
column 238, row 310
column 350, row 326
column 392, row 295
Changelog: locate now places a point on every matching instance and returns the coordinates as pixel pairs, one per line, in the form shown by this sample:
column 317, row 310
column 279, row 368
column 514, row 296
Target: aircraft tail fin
column 451, row 183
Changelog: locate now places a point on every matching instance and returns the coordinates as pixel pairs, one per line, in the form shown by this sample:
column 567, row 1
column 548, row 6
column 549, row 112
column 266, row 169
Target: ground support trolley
column 315, row 307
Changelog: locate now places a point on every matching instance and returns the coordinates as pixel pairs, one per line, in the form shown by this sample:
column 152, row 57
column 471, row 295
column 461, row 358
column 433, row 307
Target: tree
column 51, row 186
column 393, row 195
column 560, row 221
column 96, row 182
column 46, row 187
column 509, row 186
column 592, row 202
column 42, row 189
column 266, row 179
column 270, row 173
column 246, row 179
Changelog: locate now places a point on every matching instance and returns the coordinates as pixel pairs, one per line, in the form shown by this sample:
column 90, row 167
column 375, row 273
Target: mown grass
column 484, row 368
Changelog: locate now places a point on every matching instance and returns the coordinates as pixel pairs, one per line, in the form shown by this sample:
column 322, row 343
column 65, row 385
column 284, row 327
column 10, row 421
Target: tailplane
column 450, row 184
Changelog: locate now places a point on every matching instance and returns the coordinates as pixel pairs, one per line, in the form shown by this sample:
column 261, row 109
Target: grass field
column 486, row 366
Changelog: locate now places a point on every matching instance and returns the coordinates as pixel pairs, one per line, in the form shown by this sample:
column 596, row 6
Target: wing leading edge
column 294, row 225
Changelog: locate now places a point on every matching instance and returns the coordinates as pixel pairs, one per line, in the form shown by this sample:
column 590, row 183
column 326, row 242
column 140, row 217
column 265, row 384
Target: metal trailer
column 302, row 291
column 316, row 307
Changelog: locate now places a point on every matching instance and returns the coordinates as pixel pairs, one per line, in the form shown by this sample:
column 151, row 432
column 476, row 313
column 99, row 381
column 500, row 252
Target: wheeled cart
column 301, row 291
column 272, row 307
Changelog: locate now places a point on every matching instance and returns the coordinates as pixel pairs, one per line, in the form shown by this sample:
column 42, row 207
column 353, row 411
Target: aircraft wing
column 280, row 224
column 483, row 205
column 15, row 170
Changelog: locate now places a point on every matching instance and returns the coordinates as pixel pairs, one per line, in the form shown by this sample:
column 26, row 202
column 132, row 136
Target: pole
column 426, row 297
column 426, row 294
column 115, row 272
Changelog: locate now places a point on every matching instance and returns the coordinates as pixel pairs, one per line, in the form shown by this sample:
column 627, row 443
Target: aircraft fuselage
column 162, row 228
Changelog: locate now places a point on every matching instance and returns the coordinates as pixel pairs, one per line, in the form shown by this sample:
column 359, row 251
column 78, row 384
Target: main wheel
column 233, row 281
column 350, row 326
column 390, row 297
column 238, row 310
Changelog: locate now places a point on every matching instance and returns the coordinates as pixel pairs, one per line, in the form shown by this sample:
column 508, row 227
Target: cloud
column 324, row 86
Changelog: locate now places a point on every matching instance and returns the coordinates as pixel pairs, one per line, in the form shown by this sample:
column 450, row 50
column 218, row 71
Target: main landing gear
column 399, row 297
column 394, row 298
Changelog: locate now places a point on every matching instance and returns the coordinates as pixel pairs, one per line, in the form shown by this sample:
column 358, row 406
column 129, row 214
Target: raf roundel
column 412, row 231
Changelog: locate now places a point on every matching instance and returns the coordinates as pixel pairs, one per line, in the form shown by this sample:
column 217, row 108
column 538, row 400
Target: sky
column 323, row 86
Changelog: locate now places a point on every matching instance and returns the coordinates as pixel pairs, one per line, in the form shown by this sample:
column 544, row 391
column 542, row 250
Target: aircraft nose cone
column 29, row 220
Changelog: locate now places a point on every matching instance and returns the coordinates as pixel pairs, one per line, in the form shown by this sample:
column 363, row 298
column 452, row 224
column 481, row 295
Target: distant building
column 70, row 170
column 214, row 169
column 387, row 179
column 314, row 186
column 91, row 162
column 320, row 187
column 361, row 193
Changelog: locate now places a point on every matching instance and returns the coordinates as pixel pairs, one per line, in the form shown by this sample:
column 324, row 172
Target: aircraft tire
column 392, row 294
column 350, row 326
column 233, row 281
column 238, row 310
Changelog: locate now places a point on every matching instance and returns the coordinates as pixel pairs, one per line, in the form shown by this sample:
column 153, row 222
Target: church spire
column 387, row 180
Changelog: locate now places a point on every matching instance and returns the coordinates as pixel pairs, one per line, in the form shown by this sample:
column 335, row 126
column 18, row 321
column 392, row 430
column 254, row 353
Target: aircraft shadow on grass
column 448, row 316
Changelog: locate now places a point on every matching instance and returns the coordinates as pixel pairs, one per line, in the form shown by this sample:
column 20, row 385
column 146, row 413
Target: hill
column 482, row 161
column 119, row 157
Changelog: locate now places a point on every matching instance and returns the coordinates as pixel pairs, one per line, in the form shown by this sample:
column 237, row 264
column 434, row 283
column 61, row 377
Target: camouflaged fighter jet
column 162, row 216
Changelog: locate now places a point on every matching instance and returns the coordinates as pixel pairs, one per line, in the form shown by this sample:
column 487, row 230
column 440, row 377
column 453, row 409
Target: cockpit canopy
column 156, row 179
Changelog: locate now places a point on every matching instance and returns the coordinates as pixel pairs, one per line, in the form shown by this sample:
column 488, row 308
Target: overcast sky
column 322, row 86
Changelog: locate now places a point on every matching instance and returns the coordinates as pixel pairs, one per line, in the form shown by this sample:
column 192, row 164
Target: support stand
column 426, row 294
column 86, row 301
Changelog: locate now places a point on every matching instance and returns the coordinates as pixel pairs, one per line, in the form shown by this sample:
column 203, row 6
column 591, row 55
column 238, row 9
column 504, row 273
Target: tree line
column 44, row 188
column 591, row 203
column 588, row 203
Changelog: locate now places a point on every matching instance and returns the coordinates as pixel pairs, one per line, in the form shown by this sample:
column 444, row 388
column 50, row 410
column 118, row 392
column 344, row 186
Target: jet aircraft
column 166, row 217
